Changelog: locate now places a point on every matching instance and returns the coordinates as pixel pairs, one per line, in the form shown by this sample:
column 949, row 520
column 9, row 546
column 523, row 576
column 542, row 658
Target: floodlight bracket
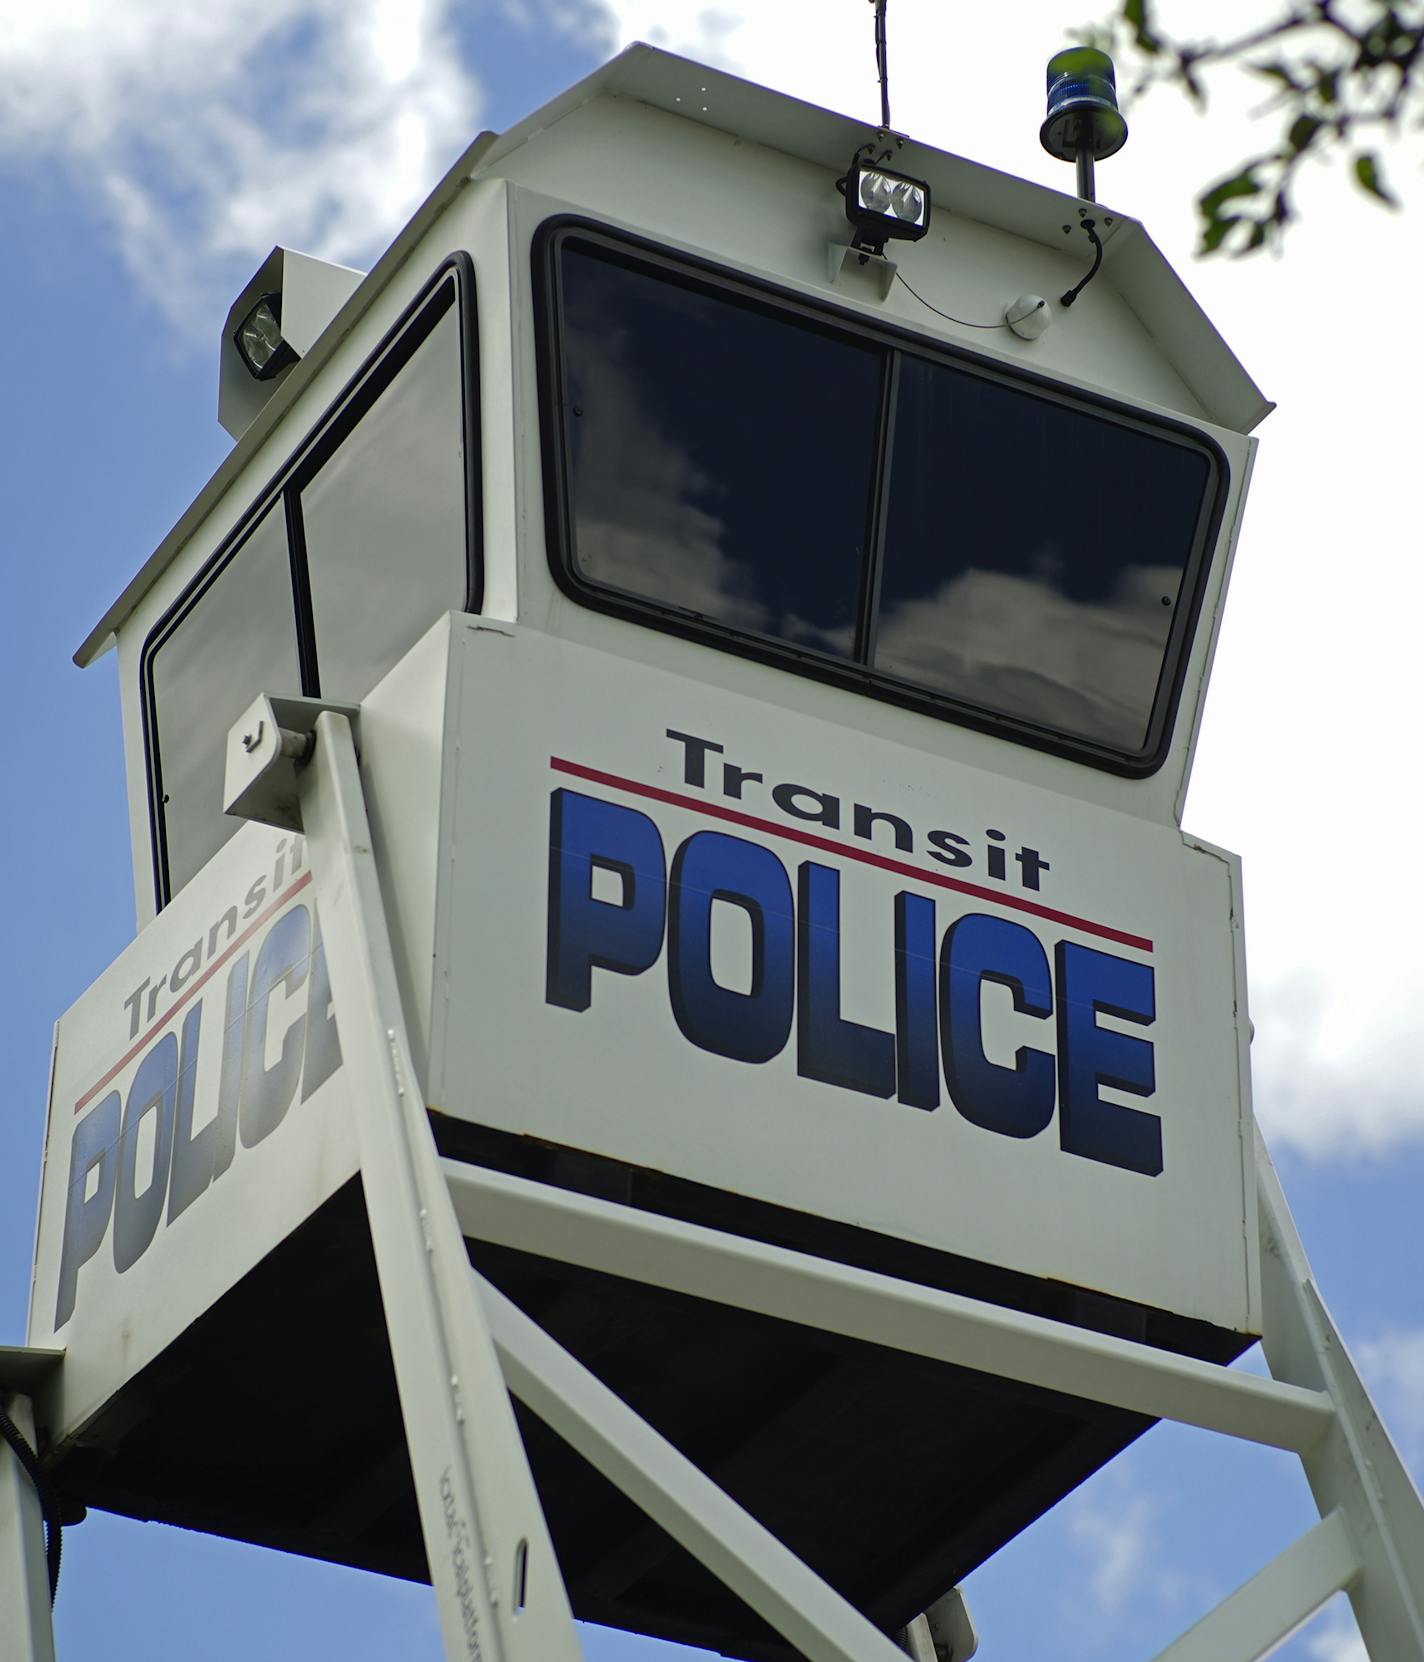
column 862, row 266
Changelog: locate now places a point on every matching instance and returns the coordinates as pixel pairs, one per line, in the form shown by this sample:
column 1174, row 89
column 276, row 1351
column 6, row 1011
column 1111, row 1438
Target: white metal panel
column 766, row 212
column 196, row 1118
column 729, row 108
column 620, row 1077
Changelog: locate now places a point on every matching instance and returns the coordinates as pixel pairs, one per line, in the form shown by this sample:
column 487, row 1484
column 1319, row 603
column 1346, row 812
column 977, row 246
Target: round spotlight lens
column 875, row 192
column 908, row 201
column 261, row 335
column 259, row 339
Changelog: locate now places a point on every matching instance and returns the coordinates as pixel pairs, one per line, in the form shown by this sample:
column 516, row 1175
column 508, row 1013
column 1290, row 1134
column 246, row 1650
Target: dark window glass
column 934, row 532
column 384, row 521
column 238, row 639
column 1034, row 554
column 721, row 456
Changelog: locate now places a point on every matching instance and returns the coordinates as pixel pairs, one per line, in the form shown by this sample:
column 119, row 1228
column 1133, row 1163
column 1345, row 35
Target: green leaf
column 1138, row 15
column 1302, row 132
column 1244, row 183
column 1277, row 71
column 1367, row 177
column 1215, row 231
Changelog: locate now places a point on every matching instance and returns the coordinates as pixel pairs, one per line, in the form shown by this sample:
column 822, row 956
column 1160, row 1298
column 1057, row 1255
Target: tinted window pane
column 1034, row 554
column 384, row 522
column 721, row 456
column 239, row 640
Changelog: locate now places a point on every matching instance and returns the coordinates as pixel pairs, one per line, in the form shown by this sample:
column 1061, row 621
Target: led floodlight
column 259, row 339
column 882, row 204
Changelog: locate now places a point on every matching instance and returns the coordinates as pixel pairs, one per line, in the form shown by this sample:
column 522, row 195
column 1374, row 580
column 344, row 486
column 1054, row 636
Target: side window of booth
column 369, row 535
column 383, row 520
column 845, row 500
column 239, row 634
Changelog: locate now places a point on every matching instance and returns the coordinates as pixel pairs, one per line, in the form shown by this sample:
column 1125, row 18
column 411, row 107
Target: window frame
column 282, row 494
column 896, row 342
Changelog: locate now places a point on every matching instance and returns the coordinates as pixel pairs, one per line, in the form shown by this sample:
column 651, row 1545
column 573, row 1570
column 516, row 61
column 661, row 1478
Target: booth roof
column 646, row 75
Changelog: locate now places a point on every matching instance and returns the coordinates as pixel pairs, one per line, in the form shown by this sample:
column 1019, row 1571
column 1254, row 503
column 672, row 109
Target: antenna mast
column 882, row 63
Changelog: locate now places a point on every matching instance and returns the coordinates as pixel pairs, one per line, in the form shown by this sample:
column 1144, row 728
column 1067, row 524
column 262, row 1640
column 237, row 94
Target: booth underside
column 275, row 1418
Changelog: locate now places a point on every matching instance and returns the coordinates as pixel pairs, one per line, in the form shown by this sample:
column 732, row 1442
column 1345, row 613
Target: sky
column 150, row 155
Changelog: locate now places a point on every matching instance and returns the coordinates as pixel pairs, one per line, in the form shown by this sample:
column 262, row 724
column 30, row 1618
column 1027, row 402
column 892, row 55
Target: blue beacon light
column 1083, row 123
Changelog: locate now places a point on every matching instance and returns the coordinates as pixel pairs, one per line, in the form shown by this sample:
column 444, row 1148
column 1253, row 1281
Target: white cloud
column 208, row 133
column 1335, row 1638
column 1334, row 1061
column 1117, row 1539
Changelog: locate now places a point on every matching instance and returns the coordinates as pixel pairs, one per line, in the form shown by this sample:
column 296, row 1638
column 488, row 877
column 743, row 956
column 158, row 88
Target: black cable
column 882, row 62
column 49, row 1502
column 1091, row 228
column 964, row 321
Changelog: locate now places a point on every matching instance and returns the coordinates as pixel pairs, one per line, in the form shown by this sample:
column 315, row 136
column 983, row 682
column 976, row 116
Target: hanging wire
column 962, row 321
column 1091, row 227
column 882, row 62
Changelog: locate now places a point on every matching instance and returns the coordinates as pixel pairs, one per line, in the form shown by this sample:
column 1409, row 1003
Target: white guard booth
column 707, row 735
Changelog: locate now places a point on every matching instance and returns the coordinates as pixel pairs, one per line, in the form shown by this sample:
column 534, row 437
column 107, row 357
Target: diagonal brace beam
column 1275, row 1601
column 814, row 1619
column 498, row 1588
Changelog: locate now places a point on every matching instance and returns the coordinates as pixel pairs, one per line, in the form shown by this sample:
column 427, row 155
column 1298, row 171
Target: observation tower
column 678, row 1067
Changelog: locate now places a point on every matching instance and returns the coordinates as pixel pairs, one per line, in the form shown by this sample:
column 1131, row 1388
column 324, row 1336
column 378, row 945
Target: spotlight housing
column 259, row 339
column 882, row 204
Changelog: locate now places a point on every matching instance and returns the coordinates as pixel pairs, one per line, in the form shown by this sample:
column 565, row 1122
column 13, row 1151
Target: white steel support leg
column 806, row 1610
column 26, row 1632
column 500, row 1594
column 1355, row 1469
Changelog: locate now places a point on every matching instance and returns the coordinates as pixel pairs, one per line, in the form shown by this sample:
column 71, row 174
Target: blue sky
column 149, row 158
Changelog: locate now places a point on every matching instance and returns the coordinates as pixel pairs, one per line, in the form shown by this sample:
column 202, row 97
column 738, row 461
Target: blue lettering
column 86, row 1216
column 1016, row 1101
column 797, row 948
column 196, row 1158
column 916, row 1018
column 1090, row 983
column 585, row 934
column 267, row 1092
column 752, row 1026
column 323, row 1052
column 136, row 1214
column 828, row 1047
